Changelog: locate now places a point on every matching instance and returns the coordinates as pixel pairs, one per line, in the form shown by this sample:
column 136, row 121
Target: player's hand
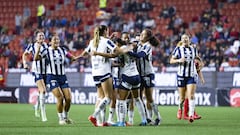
column 25, row 66
column 93, row 53
column 202, row 81
column 113, row 35
column 181, row 60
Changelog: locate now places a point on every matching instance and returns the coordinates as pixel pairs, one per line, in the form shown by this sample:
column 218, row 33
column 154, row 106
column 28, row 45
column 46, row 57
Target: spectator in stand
column 115, row 21
column 4, row 39
column 18, row 23
column 149, row 23
column 102, row 4
column 26, row 15
column 80, row 4
column 146, row 6
column 40, row 14
column 126, row 6
column 167, row 11
column 164, row 13
column 206, row 17
column 140, row 18
column 224, row 64
column 234, row 34
column 13, row 59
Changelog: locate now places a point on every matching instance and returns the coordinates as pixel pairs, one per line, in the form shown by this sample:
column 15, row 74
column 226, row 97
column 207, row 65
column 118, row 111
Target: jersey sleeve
column 147, row 49
column 111, row 45
column 29, row 48
column 176, row 52
column 43, row 53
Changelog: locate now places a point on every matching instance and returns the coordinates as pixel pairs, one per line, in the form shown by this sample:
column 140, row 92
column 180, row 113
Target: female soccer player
column 56, row 77
column 130, row 84
column 144, row 54
column 130, row 107
column 199, row 65
column 101, row 67
column 39, row 72
column 184, row 55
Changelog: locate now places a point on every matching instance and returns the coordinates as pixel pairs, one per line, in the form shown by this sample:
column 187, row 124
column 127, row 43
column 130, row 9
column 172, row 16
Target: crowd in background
column 211, row 31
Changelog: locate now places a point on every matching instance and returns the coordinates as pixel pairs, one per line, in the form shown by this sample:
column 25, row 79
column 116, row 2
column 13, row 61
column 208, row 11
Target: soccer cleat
column 105, row 124
column 150, row 121
column 157, row 122
column 115, row 124
column 185, row 117
column 44, row 119
column 121, row 124
column 93, row 120
column 110, row 123
column 191, row 119
column 179, row 114
column 143, row 124
column 62, row 122
column 129, row 124
column 37, row 113
column 197, row 117
column 69, row 121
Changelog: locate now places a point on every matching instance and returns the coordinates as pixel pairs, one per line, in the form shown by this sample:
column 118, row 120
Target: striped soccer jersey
column 39, row 66
column 56, row 59
column 186, row 69
column 145, row 66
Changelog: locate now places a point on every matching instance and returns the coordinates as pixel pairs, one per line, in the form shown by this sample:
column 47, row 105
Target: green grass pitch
column 18, row 119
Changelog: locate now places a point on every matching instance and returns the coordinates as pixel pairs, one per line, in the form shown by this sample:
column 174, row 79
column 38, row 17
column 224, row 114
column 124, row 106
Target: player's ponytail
column 96, row 37
column 180, row 43
column 154, row 41
column 98, row 31
column 151, row 38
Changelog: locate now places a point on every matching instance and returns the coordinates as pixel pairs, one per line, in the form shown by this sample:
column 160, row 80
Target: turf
column 18, row 119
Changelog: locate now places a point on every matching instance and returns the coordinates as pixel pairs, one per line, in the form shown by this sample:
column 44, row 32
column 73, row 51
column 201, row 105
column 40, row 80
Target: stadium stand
column 213, row 26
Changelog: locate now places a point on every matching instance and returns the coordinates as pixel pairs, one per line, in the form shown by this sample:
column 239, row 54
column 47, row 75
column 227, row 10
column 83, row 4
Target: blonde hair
column 180, row 43
column 96, row 37
column 98, row 31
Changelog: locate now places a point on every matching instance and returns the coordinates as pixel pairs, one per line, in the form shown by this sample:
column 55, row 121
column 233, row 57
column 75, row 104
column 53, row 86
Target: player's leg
column 190, row 94
column 42, row 90
column 67, row 97
column 59, row 96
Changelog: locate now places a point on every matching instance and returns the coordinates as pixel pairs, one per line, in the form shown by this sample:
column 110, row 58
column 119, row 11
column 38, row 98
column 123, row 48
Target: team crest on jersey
column 53, row 82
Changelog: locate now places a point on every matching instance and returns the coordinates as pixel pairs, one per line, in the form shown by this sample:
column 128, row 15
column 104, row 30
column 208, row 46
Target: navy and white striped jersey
column 39, row 66
column 188, row 68
column 56, row 59
column 145, row 66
